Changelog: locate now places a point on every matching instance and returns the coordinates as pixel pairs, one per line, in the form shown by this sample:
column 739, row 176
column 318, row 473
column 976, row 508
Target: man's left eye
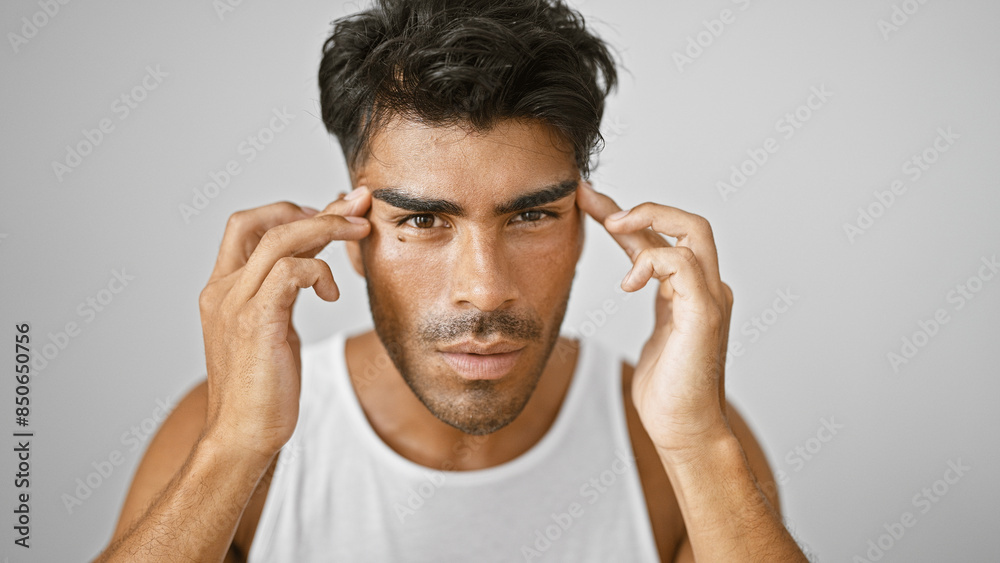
column 532, row 216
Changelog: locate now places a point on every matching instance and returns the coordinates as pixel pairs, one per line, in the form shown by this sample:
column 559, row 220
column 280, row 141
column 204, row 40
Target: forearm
column 196, row 515
column 727, row 516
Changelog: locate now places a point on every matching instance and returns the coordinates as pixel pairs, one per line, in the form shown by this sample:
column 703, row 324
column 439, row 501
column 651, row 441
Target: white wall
column 673, row 133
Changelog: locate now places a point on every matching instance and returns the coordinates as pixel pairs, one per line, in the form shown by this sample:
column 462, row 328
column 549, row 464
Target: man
column 468, row 127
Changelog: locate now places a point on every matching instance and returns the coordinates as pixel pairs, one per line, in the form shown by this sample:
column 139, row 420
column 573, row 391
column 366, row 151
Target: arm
column 757, row 465
column 678, row 386
column 196, row 514
column 206, row 462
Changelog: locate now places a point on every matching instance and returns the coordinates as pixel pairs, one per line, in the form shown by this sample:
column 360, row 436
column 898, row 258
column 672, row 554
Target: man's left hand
column 679, row 382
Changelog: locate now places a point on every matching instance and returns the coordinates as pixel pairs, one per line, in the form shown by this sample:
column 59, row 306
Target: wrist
column 705, row 449
column 218, row 444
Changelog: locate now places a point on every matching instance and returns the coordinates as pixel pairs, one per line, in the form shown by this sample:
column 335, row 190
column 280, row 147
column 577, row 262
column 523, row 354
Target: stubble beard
column 480, row 407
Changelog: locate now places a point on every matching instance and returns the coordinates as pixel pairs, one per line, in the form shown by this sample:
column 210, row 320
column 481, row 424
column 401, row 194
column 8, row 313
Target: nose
column 483, row 276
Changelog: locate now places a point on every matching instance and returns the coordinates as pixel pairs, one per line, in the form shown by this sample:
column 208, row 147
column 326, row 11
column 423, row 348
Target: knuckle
column 322, row 266
column 331, row 218
column 687, row 255
column 237, row 219
column 285, row 267
column 245, row 322
column 272, row 238
column 728, row 292
column 287, row 206
column 646, row 206
column 646, row 255
column 207, row 299
column 713, row 317
column 701, row 225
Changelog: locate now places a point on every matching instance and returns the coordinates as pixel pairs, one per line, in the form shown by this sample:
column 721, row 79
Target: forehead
column 456, row 162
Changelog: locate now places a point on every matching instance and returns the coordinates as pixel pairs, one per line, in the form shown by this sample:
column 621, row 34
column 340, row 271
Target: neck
column 406, row 426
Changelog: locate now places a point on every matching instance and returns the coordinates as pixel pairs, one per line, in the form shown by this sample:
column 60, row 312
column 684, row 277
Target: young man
column 463, row 428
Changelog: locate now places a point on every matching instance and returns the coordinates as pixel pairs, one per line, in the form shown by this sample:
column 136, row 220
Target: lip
column 477, row 361
column 473, row 347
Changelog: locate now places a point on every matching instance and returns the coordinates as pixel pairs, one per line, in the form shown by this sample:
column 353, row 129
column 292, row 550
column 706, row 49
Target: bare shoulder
column 166, row 455
column 661, row 501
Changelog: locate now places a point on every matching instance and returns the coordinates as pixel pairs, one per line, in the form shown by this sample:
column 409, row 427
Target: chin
column 474, row 406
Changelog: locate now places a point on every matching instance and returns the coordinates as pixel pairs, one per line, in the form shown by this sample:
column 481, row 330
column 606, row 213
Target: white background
column 673, row 130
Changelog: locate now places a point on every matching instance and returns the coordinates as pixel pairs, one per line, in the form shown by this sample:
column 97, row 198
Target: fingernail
column 618, row 215
column 358, row 220
column 310, row 211
column 355, row 194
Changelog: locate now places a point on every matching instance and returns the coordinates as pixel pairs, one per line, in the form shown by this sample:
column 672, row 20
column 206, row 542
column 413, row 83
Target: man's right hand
column 217, row 444
column 251, row 349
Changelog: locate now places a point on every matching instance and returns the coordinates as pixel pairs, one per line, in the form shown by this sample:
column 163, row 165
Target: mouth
column 473, row 360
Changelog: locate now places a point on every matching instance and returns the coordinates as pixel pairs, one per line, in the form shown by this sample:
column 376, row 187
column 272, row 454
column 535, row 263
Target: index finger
column 599, row 206
column 692, row 231
column 355, row 204
column 244, row 230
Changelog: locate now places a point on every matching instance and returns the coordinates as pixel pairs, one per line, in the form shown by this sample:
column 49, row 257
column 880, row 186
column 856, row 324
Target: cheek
column 546, row 263
column 401, row 271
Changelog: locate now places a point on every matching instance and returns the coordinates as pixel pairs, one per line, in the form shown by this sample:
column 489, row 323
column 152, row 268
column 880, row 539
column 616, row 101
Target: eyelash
column 544, row 212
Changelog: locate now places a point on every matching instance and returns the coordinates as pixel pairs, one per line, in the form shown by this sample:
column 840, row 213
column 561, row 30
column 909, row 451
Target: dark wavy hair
column 465, row 62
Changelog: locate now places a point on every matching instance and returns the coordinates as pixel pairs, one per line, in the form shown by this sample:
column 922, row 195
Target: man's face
column 474, row 243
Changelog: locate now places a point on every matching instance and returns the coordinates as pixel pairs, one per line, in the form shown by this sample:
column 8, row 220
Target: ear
column 354, row 253
column 581, row 237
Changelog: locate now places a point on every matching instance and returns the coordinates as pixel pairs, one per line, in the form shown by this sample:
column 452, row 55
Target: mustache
column 479, row 324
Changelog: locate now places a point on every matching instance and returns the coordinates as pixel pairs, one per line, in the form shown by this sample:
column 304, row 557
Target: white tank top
column 339, row 493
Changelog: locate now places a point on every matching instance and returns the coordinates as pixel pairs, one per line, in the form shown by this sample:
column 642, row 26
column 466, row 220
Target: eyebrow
column 398, row 197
